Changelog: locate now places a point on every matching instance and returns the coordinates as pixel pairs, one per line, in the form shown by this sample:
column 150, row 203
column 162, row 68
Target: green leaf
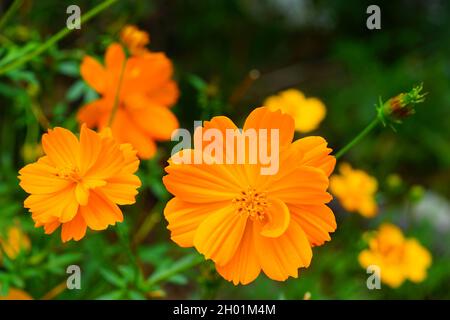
column 113, row 278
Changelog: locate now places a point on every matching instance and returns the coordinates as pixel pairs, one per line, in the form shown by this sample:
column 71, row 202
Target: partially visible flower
column 135, row 40
column 16, row 294
column 307, row 112
column 247, row 222
column 79, row 183
column 14, row 242
column 355, row 190
column 399, row 259
column 136, row 94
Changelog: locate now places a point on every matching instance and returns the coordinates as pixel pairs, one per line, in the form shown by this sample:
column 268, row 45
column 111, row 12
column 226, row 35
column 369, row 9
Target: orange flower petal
column 200, row 183
column 316, row 221
column 278, row 219
column 100, row 212
column 263, row 118
column 61, row 147
column 94, row 74
column 184, row 219
column 315, row 153
column 125, row 130
column 114, row 58
column 40, row 178
column 167, row 95
column 74, row 229
column 244, row 267
column 45, row 207
column 157, row 121
column 220, row 234
column 122, row 188
column 94, row 113
column 282, row 257
column 305, row 185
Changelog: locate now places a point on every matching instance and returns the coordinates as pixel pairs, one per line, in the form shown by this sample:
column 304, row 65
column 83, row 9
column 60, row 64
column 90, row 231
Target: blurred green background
column 322, row 48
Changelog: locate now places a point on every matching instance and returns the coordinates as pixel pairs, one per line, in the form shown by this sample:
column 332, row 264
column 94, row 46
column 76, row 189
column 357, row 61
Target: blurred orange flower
column 135, row 40
column 245, row 221
column 78, row 183
column 355, row 190
column 398, row 258
column 14, row 242
column 136, row 94
column 307, row 112
column 16, row 294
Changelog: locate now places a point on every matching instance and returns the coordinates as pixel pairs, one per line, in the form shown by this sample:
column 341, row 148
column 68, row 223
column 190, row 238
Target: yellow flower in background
column 16, row 294
column 79, row 183
column 307, row 112
column 355, row 190
column 14, row 242
column 134, row 39
column 399, row 258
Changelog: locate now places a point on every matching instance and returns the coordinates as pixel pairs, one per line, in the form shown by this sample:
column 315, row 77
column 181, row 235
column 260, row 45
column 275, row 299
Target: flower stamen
column 252, row 203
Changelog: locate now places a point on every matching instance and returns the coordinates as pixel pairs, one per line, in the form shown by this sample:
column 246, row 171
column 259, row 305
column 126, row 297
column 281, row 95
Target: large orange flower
column 143, row 89
column 245, row 221
column 78, row 183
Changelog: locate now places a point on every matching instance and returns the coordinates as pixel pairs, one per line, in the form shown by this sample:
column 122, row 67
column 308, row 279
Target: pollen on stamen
column 252, row 203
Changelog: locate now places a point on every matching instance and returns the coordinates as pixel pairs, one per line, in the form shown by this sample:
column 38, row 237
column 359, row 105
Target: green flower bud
column 401, row 106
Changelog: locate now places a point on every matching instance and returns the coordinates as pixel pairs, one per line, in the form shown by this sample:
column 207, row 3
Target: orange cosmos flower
column 143, row 90
column 355, row 190
column 398, row 258
column 135, row 40
column 307, row 112
column 245, row 221
column 78, row 183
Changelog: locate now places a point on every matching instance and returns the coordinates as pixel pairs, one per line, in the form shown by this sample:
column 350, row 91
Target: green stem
column 358, row 138
column 12, row 8
column 187, row 263
column 117, row 96
column 55, row 38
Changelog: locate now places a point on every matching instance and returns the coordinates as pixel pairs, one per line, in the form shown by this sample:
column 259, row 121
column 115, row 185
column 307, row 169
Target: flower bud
column 401, row 106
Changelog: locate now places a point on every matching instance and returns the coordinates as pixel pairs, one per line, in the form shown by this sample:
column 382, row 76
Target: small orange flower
column 78, row 183
column 146, row 91
column 245, row 221
column 16, row 294
column 307, row 112
column 14, row 242
column 355, row 189
column 135, row 40
column 398, row 258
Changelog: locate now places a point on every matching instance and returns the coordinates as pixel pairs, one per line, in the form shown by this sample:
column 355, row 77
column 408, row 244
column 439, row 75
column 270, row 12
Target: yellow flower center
column 69, row 173
column 252, row 203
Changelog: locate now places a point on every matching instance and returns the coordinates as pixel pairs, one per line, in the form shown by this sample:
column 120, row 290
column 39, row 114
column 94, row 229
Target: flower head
column 14, row 242
column 355, row 190
column 135, row 40
column 247, row 222
column 80, row 182
column 398, row 258
column 307, row 112
column 136, row 94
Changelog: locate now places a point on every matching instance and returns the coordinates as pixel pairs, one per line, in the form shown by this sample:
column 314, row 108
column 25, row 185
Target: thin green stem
column 117, row 96
column 55, row 38
column 12, row 8
column 358, row 138
column 187, row 263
